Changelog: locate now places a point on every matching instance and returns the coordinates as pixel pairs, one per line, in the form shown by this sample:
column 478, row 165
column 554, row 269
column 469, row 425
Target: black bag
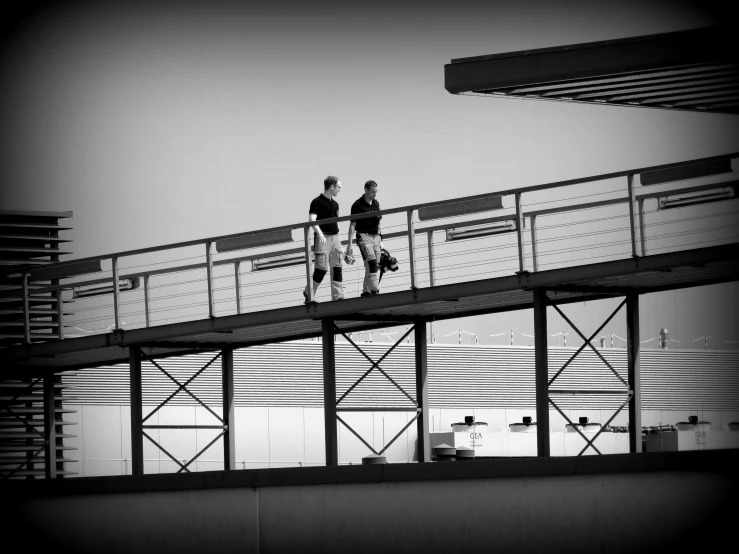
column 387, row 263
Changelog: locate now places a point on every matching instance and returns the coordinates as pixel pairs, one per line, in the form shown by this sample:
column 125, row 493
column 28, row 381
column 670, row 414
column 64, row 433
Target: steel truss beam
column 137, row 420
column 420, row 404
column 631, row 389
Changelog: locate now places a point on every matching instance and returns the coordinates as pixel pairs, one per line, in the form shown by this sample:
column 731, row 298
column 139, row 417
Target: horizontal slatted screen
column 290, row 374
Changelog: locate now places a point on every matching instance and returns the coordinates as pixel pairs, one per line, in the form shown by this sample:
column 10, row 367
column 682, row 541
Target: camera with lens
column 387, row 263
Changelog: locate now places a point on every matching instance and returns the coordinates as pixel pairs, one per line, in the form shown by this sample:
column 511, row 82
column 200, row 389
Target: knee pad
column 338, row 274
column 318, row 275
column 372, row 266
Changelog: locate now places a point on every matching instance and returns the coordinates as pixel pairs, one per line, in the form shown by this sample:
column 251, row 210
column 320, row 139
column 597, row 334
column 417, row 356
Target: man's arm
column 317, row 229
column 379, row 231
column 352, row 224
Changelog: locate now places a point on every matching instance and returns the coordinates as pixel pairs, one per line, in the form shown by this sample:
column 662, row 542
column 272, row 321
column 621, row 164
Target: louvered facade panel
column 291, row 374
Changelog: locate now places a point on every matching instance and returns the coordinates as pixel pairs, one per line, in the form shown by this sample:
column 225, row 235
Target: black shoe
column 366, row 294
column 307, row 300
column 375, row 292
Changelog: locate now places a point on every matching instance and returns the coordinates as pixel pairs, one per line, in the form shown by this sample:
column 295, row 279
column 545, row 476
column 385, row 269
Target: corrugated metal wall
column 290, row 374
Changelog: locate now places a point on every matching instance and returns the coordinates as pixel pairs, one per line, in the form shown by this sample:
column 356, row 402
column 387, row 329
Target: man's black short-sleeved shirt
column 370, row 224
column 325, row 208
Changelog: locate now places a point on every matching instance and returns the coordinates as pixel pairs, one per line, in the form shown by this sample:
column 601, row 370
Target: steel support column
column 632, row 346
column 329, row 392
column 49, row 426
column 541, row 372
column 422, row 392
column 137, row 435
column 229, row 436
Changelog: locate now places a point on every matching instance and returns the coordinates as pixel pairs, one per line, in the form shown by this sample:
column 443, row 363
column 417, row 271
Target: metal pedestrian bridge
column 619, row 234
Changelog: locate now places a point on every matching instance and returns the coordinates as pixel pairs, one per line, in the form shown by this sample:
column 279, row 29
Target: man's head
column 370, row 190
column 331, row 186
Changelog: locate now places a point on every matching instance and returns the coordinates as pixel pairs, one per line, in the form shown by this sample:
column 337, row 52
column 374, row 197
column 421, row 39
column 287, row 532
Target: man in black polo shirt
column 369, row 239
column 326, row 242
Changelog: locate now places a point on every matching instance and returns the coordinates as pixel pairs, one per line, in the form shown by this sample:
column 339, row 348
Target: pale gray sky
column 167, row 121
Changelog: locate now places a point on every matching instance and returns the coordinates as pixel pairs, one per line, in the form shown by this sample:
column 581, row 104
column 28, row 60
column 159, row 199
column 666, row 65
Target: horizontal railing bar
column 572, row 208
column 586, row 391
column 415, row 410
column 184, row 426
column 305, row 224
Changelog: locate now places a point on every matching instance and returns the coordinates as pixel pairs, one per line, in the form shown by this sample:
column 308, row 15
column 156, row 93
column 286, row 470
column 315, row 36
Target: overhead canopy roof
column 686, row 70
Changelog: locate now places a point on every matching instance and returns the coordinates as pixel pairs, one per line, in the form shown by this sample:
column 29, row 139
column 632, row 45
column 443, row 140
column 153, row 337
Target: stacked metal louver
column 29, row 240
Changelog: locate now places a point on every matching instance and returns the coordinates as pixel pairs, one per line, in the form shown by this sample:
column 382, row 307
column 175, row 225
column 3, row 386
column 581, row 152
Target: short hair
column 329, row 182
column 369, row 184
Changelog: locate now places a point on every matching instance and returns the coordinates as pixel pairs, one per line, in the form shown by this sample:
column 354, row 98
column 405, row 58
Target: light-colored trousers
column 369, row 246
column 327, row 258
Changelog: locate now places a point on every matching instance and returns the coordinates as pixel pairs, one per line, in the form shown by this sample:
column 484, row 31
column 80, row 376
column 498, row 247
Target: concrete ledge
column 714, row 461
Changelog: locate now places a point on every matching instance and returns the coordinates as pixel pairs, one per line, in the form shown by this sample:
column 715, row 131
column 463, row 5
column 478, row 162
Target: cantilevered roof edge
column 587, row 60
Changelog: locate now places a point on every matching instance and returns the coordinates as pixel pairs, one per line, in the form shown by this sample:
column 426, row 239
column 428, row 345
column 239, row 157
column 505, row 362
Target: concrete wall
column 271, row 437
column 623, row 503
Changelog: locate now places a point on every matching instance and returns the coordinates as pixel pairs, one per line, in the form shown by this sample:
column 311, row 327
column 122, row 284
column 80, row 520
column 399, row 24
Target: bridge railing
column 671, row 185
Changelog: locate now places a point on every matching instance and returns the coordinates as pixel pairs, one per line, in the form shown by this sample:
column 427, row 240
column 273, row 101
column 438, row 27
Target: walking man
column 326, row 242
column 369, row 239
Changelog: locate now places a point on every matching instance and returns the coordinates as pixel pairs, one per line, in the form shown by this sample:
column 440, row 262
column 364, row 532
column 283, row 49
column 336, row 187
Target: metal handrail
column 387, row 236
column 410, row 232
column 403, row 209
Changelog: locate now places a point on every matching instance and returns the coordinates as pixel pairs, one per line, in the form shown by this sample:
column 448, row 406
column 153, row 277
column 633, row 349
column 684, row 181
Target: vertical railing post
column 209, row 269
column 146, row 300
column 519, row 234
column 430, row 236
column 634, row 373
column 412, row 248
column 329, row 392
column 26, row 309
column 308, row 278
column 541, row 373
column 533, row 243
column 137, row 431
column 60, row 310
column 422, row 391
column 229, row 438
column 642, row 228
column 237, row 277
column 632, row 223
column 50, row 426
column 116, row 296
